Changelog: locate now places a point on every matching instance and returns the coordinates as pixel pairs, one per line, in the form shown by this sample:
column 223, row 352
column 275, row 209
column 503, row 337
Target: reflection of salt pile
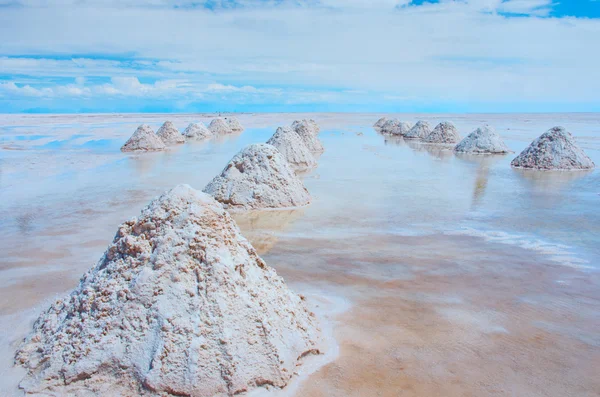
column 143, row 139
column 395, row 127
column 169, row 134
column 308, row 131
column 197, row 131
column 379, row 123
column 219, row 127
column 483, row 140
column 418, row 131
column 555, row 149
column 258, row 177
column 180, row 305
column 293, row 148
column 444, row 132
column 234, row 124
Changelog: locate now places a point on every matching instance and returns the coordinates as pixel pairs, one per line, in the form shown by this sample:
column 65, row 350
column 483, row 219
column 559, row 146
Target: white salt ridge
column 219, row 126
column 234, row 124
column 197, row 131
column 169, row 134
column 293, row 148
column 258, row 177
column 555, row 149
column 180, row 304
column 443, row 133
column 419, row 131
column 308, row 131
column 379, row 123
column 143, row 139
column 484, row 140
column 395, row 127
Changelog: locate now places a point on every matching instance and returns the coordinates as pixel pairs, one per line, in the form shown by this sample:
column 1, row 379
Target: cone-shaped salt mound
column 308, row 131
column 169, row 134
column 258, row 177
column 444, row 132
column 555, row 149
column 483, row 140
column 418, row 131
column 180, row 305
column 395, row 127
column 143, row 139
column 197, row 131
column 379, row 123
column 293, row 148
column 234, row 124
column 219, row 127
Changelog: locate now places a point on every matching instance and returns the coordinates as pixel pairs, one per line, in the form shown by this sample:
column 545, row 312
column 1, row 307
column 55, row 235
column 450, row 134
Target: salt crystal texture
column 444, row 132
column 197, row 131
column 418, row 131
column 293, row 148
column 169, row 134
column 258, row 177
column 234, row 124
column 143, row 139
column 179, row 305
column 308, row 131
column 555, row 149
column 484, row 140
column 379, row 123
column 220, row 126
column 395, row 127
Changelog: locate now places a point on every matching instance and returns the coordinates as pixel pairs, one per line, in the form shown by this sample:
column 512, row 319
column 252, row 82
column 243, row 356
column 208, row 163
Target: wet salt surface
column 461, row 275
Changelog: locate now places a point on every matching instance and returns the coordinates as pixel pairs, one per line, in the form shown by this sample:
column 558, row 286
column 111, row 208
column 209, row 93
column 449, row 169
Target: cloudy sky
column 299, row 55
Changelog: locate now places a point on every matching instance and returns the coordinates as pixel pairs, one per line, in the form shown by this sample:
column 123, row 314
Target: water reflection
column 550, row 180
column 440, row 152
column 484, row 164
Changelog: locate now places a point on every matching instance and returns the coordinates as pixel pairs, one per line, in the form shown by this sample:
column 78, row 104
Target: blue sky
column 68, row 56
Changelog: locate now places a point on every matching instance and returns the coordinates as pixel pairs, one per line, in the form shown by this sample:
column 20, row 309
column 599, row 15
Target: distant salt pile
column 169, row 134
column 197, row 131
column 234, row 124
column 418, row 131
column 143, row 139
column 380, row 122
column 444, row 132
column 484, row 140
column 293, row 148
column 179, row 305
column 308, row 131
column 555, row 149
column 258, row 177
column 219, row 126
column 395, row 127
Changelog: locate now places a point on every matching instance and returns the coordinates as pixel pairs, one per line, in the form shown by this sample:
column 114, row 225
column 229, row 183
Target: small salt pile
column 143, row 139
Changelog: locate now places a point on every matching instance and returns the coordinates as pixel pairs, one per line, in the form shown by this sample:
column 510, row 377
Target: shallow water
column 462, row 276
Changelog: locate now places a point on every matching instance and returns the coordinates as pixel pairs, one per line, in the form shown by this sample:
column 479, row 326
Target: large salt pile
column 197, row 131
column 258, row 177
column 169, row 134
column 293, row 148
column 395, row 127
column 234, row 124
column 555, row 149
column 179, row 305
column 219, row 126
column 444, row 132
column 379, row 123
column 418, row 131
column 143, row 139
column 308, row 131
column 483, row 140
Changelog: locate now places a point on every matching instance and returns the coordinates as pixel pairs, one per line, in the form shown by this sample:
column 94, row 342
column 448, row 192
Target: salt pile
column 395, row 127
column 258, row 177
column 219, row 126
column 555, row 149
column 308, row 131
column 293, row 148
column 483, row 140
column 143, row 139
column 197, row 131
column 418, row 131
column 444, row 132
column 234, row 124
column 169, row 134
column 379, row 123
column 179, row 305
